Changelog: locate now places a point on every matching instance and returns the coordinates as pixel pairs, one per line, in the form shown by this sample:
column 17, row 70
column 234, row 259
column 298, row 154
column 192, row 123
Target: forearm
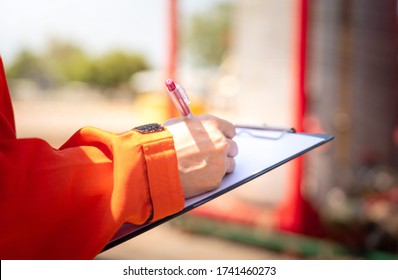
column 68, row 203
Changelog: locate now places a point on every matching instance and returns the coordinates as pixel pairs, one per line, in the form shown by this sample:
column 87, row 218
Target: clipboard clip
column 263, row 131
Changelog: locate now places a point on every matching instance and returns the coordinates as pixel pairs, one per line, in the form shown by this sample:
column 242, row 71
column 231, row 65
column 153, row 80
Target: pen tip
column 170, row 84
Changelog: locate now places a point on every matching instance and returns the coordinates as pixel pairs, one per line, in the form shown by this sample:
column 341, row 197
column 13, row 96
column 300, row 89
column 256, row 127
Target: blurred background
column 318, row 66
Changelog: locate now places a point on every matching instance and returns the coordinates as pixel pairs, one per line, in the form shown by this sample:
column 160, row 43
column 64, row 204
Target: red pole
column 172, row 50
column 296, row 213
column 300, row 107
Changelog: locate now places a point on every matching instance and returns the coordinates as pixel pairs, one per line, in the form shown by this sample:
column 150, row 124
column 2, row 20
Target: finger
column 230, row 165
column 227, row 128
column 232, row 148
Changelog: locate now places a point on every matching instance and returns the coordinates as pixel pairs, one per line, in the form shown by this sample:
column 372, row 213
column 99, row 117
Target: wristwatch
column 149, row 128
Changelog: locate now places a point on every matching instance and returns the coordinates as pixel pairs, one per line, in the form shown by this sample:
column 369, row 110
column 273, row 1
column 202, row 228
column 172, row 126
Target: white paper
column 258, row 153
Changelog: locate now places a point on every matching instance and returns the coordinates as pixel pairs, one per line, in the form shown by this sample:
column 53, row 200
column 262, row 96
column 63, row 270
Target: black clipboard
column 261, row 149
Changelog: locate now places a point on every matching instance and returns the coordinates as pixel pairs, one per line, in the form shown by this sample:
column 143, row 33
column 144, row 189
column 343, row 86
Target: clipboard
column 261, row 149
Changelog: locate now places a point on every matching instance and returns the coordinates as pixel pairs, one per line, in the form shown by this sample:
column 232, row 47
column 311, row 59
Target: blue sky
column 96, row 26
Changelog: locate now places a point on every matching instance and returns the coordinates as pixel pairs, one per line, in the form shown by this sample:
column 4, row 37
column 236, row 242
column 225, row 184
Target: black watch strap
column 149, row 128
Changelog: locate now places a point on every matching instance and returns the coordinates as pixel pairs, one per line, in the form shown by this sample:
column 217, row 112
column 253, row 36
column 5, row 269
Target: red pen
column 179, row 98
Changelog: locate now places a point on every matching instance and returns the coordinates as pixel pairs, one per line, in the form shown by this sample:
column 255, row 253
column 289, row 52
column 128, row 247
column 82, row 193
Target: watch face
column 149, row 128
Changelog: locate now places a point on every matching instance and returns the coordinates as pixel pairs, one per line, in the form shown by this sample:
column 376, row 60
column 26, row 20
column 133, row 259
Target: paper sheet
column 258, row 154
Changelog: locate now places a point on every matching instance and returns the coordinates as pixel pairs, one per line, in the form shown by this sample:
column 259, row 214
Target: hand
column 205, row 151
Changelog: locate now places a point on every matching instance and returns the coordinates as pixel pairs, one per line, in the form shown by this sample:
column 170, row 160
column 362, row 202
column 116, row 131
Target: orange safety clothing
column 67, row 203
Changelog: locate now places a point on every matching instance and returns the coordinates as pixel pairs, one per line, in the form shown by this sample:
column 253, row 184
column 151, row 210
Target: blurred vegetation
column 208, row 36
column 64, row 62
column 28, row 65
column 123, row 65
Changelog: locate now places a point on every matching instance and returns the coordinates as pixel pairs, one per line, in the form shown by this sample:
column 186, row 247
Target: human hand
column 205, row 151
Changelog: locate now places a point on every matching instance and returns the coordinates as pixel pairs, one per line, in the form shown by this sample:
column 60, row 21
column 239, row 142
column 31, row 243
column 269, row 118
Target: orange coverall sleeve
column 67, row 203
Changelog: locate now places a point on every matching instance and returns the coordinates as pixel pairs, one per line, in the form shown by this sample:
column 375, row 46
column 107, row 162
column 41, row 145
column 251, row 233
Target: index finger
column 228, row 129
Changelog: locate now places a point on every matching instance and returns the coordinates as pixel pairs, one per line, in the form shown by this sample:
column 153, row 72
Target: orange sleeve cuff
column 146, row 179
column 164, row 185
column 150, row 172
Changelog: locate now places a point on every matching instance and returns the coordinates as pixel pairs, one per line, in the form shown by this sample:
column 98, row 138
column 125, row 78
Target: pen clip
column 183, row 93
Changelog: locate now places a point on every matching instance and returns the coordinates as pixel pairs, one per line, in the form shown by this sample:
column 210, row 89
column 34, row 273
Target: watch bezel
column 149, row 128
